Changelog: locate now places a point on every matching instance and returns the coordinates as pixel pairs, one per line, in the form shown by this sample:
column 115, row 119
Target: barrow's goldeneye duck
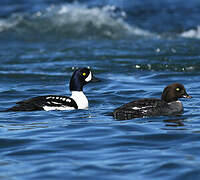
column 77, row 100
column 167, row 105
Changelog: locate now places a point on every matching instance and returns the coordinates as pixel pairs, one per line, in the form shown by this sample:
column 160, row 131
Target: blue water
column 136, row 48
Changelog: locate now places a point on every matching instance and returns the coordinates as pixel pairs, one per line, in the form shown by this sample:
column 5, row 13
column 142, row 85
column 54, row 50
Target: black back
column 37, row 103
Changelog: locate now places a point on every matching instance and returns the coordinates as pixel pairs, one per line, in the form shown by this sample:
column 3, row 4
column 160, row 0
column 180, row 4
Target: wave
column 73, row 21
column 192, row 33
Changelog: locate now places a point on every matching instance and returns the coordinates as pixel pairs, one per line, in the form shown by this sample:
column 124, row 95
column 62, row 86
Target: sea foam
column 73, row 20
column 192, row 33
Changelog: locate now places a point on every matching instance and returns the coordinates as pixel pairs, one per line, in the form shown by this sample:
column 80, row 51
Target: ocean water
column 136, row 48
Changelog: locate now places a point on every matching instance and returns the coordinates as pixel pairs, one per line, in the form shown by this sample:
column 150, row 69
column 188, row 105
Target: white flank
column 179, row 102
column 55, row 102
column 137, row 108
column 80, row 99
column 62, row 108
column 89, row 78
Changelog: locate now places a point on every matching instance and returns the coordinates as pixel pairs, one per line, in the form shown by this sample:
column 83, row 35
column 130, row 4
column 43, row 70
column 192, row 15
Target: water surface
column 136, row 49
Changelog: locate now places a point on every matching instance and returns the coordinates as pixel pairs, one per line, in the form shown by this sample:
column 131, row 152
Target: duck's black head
column 81, row 77
column 173, row 92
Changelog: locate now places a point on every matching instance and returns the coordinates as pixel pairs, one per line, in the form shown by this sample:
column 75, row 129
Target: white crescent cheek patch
column 89, row 78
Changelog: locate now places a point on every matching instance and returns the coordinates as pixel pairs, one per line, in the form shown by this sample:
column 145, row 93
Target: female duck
column 167, row 105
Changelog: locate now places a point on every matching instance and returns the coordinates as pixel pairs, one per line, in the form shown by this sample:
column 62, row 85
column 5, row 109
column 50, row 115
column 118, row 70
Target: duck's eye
column 177, row 89
column 84, row 74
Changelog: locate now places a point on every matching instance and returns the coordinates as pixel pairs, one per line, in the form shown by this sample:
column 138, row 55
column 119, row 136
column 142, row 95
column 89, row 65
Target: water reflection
column 174, row 122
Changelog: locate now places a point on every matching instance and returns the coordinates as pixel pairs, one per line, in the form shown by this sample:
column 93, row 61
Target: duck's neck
column 80, row 99
column 76, row 84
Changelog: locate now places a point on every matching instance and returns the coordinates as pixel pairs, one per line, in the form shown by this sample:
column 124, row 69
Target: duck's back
column 146, row 107
column 50, row 102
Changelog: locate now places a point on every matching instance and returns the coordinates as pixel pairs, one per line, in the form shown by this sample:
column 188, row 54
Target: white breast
column 80, row 99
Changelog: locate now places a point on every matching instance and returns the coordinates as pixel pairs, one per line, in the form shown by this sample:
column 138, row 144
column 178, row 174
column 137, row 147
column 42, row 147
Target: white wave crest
column 6, row 24
column 192, row 33
column 74, row 20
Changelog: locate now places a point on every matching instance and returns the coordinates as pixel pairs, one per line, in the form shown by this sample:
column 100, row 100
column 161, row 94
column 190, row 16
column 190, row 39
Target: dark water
column 136, row 48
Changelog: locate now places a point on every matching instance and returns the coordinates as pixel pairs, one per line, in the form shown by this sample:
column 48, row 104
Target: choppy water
column 136, row 48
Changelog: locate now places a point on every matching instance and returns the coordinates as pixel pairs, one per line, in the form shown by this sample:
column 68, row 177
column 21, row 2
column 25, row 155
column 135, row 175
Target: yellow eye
column 84, row 74
column 177, row 89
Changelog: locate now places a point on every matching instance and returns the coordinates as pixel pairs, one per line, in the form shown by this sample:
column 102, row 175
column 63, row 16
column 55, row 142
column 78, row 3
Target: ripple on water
column 90, row 144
